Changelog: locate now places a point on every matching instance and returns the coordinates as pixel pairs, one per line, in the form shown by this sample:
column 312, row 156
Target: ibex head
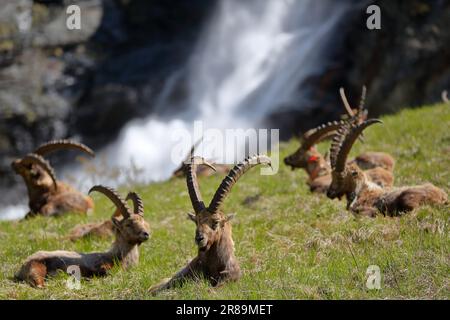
column 36, row 171
column 209, row 228
column 210, row 221
column 307, row 155
column 132, row 227
column 345, row 176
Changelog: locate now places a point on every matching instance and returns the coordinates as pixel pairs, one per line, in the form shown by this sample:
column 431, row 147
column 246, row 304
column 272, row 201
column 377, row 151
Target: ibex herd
column 378, row 166
column 365, row 181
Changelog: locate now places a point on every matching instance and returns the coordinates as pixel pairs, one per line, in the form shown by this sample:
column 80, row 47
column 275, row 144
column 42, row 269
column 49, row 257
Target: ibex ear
column 191, row 216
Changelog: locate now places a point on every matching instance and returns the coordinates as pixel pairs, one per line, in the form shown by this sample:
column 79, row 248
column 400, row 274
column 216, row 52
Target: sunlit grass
column 291, row 244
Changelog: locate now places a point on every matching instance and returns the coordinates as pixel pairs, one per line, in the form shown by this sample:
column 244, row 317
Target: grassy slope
column 290, row 244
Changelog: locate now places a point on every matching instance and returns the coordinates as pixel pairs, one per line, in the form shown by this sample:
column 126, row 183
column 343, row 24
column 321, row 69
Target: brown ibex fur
column 95, row 229
column 130, row 231
column 47, row 196
column 215, row 260
column 365, row 197
column 378, row 165
column 202, row 171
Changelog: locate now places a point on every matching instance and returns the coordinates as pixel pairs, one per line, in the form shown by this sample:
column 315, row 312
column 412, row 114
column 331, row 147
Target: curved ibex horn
column 445, row 96
column 346, row 144
column 63, row 144
column 40, row 161
column 192, row 183
column 315, row 135
column 233, row 176
column 138, row 205
column 345, row 102
column 362, row 100
column 337, row 141
column 114, row 197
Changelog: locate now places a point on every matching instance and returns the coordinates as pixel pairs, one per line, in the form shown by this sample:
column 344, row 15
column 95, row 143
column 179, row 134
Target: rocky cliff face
column 405, row 64
column 57, row 83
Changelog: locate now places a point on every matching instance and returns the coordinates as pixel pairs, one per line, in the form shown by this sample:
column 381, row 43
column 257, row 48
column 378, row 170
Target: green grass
column 290, row 244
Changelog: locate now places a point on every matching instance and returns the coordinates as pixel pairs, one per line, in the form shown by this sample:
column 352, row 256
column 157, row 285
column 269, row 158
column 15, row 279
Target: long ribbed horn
column 63, row 144
column 138, row 205
column 233, row 176
column 114, row 197
column 347, row 143
column 315, row 135
column 337, row 141
column 362, row 100
column 345, row 102
column 40, row 161
column 445, row 96
column 192, row 183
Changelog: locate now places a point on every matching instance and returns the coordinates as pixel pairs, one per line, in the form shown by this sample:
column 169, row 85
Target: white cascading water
column 248, row 63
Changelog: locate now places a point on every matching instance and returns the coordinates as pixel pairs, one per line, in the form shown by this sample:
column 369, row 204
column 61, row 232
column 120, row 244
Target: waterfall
column 250, row 61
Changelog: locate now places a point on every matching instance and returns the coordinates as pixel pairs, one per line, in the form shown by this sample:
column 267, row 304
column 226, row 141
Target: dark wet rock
column 59, row 83
column 140, row 45
column 405, row 64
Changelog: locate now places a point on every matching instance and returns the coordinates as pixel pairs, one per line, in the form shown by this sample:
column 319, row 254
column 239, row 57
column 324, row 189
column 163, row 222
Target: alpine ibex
column 202, row 171
column 48, row 196
column 379, row 165
column 376, row 164
column 215, row 260
column 103, row 229
column 130, row 232
column 365, row 197
column 367, row 160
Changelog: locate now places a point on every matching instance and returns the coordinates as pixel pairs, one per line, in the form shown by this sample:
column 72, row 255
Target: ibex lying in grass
column 215, row 260
column 365, row 197
column 379, row 165
column 95, row 229
column 130, row 232
column 103, row 229
column 202, row 171
column 47, row 196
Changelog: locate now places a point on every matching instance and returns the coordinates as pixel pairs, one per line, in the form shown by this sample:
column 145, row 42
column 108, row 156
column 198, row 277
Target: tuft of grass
column 291, row 244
